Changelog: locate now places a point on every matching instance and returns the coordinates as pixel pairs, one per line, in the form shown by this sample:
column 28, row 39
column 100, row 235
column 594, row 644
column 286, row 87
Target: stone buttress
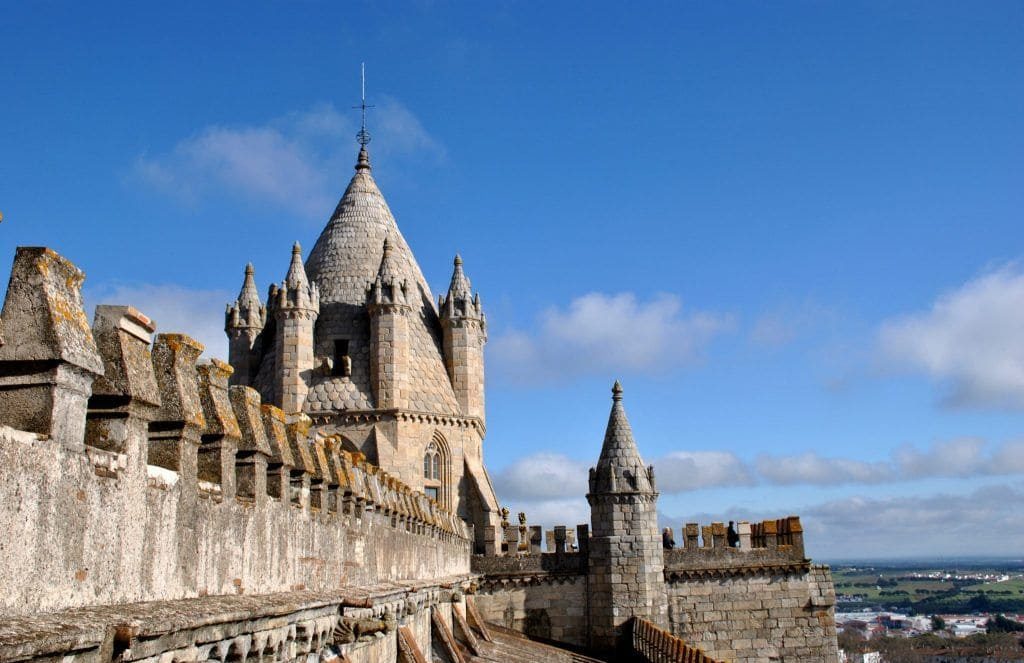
column 626, row 565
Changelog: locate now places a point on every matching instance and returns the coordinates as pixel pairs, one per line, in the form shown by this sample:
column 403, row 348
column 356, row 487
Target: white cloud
column 681, row 471
column 174, row 309
column 542, row 476
column 988, row 521
column 599, row 334
column 961, row 457
column 970, row 341
column 292, row 163
column 810, row 468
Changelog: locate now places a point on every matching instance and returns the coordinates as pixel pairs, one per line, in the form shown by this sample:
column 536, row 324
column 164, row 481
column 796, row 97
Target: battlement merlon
column 50, row 359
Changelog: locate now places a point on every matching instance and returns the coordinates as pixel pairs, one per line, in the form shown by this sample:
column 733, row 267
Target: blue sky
column 791, row 230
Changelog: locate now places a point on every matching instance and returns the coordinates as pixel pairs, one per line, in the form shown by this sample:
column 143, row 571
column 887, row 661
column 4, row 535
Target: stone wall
column 758, row 615
column 550, row 606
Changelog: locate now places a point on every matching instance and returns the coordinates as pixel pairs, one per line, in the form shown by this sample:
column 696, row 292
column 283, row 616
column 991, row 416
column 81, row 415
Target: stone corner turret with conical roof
column 626, row 564
column 244, row 319
column 295, row 304
column 387, row 305
column 465, row 334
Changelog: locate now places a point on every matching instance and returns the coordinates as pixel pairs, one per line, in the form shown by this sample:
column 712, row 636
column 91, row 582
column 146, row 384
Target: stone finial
column 174, row 361
column 363, row 164
column 245, row 402
column 123, row 336
column 620, row 469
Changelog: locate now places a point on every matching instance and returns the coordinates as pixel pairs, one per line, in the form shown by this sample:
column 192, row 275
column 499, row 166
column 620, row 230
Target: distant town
column 912, row 611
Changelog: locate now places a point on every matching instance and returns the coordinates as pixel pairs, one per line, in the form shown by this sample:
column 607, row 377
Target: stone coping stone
column 85, row 628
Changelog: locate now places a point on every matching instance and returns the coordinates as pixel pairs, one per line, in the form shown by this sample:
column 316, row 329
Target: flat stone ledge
column 96, row 627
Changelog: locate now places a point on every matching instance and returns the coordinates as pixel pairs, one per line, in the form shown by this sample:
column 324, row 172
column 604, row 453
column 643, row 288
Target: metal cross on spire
column 363, row 137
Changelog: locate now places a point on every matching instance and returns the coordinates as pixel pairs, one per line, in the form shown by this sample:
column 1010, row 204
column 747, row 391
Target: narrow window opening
column 342, row 361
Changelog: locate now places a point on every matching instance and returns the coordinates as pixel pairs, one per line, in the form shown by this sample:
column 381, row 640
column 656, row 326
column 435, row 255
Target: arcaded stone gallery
column 323, row 496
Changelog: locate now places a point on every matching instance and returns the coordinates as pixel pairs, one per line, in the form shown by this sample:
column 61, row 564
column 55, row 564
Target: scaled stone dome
column 343, row 262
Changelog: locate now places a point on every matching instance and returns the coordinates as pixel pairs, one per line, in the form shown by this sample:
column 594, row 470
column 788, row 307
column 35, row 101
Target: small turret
column 465, row 333
column 243, row 321
column 626, row 562
column 387, row 304
column 296, row 305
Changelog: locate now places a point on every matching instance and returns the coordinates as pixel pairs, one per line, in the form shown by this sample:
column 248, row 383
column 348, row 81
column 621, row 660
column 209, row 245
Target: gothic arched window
column 432, row 462
column 435, row 470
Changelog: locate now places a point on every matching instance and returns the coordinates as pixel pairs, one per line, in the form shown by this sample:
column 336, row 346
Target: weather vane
column 363, row 137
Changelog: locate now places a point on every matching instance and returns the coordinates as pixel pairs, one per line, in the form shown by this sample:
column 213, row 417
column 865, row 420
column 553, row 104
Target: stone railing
column 129, row 472
column 651, row 644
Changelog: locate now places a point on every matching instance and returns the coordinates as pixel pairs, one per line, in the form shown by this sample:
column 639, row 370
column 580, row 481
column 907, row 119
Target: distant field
column 896, row 588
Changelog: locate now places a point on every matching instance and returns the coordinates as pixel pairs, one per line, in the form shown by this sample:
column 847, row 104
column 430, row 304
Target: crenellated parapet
column 150, row 477
column 756, row 547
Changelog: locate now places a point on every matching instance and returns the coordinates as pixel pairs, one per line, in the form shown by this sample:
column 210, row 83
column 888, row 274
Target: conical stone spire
column 620, row 469
column 460, row 286
column 389, row 287
column 296, row 277
column 247, row 311
column 388, row 268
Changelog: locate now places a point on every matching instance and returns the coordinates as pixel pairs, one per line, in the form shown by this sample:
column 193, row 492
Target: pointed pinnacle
column 364, row 160
column 617, row 391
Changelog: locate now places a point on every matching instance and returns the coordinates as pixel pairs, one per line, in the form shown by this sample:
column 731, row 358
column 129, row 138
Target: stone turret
column 387, row 302
column 465, row 333
column 243, row 322
column 296, row 305
column 626, row 557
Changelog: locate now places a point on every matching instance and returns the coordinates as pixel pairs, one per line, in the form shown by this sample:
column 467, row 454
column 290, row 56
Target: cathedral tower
column 626, row 557
column 243, row 322
column 465, row 333
column 296, row 304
